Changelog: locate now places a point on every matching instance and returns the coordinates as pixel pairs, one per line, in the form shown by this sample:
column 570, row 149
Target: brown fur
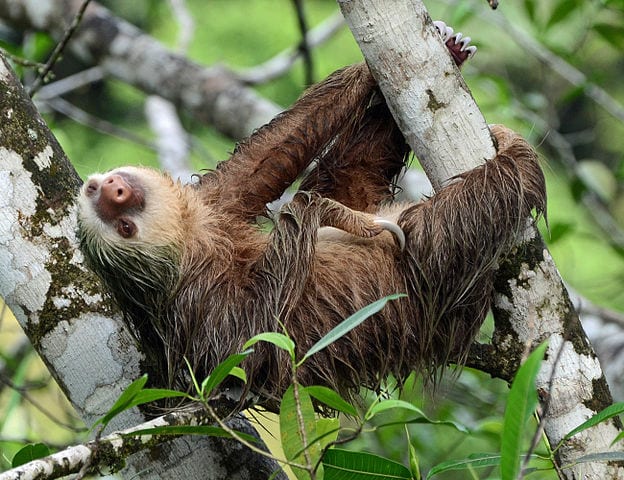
column 217, row 279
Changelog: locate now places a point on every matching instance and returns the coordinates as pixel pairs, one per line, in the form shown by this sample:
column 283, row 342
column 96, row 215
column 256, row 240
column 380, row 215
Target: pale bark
column 449, row 135
column 74, row 327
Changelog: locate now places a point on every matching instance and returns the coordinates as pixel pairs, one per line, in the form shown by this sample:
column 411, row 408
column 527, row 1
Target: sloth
column 196, row 275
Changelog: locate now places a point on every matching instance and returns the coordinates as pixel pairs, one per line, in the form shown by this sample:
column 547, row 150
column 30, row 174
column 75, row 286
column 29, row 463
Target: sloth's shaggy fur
column 196, row 277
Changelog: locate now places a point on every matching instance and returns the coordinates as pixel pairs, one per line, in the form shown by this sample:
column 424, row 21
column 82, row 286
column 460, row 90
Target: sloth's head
column 131, row 228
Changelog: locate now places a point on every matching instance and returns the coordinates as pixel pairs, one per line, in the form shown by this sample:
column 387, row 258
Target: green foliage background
column 510, row 85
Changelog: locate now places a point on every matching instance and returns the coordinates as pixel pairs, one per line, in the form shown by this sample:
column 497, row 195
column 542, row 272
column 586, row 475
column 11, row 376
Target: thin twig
column 41, row 77
column 304, row 48
column 103, row 126
column 24, row 62
column 26, row 396
column 71, row 83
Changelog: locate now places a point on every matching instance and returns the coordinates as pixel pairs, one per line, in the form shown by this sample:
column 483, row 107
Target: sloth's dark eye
column 126, row 228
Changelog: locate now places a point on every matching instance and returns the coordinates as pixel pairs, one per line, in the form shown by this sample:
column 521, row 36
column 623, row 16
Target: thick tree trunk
column 441, row 122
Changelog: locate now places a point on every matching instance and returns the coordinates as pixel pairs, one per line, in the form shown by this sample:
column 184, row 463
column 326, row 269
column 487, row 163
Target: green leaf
column 349, row 324
column 346, row 465
column 391, row 404
column 136, row 395
column 278, row 339
column 239, row 373
column 292, row 437
column 148, row 395
column 618, row 438
column 192, row 374
column 521, row 404
column 124, row 401
column 476, row 460
column 221, row 371
column 28, row 453
column 332, row 399
column 207, row 430
column 609, row 412
column 327, row 430
column 427, row 421
column 413, row 457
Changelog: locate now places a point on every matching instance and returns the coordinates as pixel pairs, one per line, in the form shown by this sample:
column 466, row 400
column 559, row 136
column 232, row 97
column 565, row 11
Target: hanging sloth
column 196, row 277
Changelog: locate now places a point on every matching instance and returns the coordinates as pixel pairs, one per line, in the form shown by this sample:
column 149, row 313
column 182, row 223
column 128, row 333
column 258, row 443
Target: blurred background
column 549, row 69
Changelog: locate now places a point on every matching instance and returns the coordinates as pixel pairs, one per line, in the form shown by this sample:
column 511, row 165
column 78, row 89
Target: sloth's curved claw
column 457, row 43
column 394, row 229
column 464, row 43
column 444, row 29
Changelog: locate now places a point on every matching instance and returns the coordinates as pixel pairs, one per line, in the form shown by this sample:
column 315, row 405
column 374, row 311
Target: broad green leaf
column 347, row 465
column 124, row 400
column 521, row 404
column 327, row 430
column 389, row 405
column 476, row 460
column 278, row 339
column 426, row 421
column 333, row 400
column 292, row 437
column 239, row 373
column 28, row 453
column 609, row 412
column 221, row 371
column 349, row 324
column 207, row 430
